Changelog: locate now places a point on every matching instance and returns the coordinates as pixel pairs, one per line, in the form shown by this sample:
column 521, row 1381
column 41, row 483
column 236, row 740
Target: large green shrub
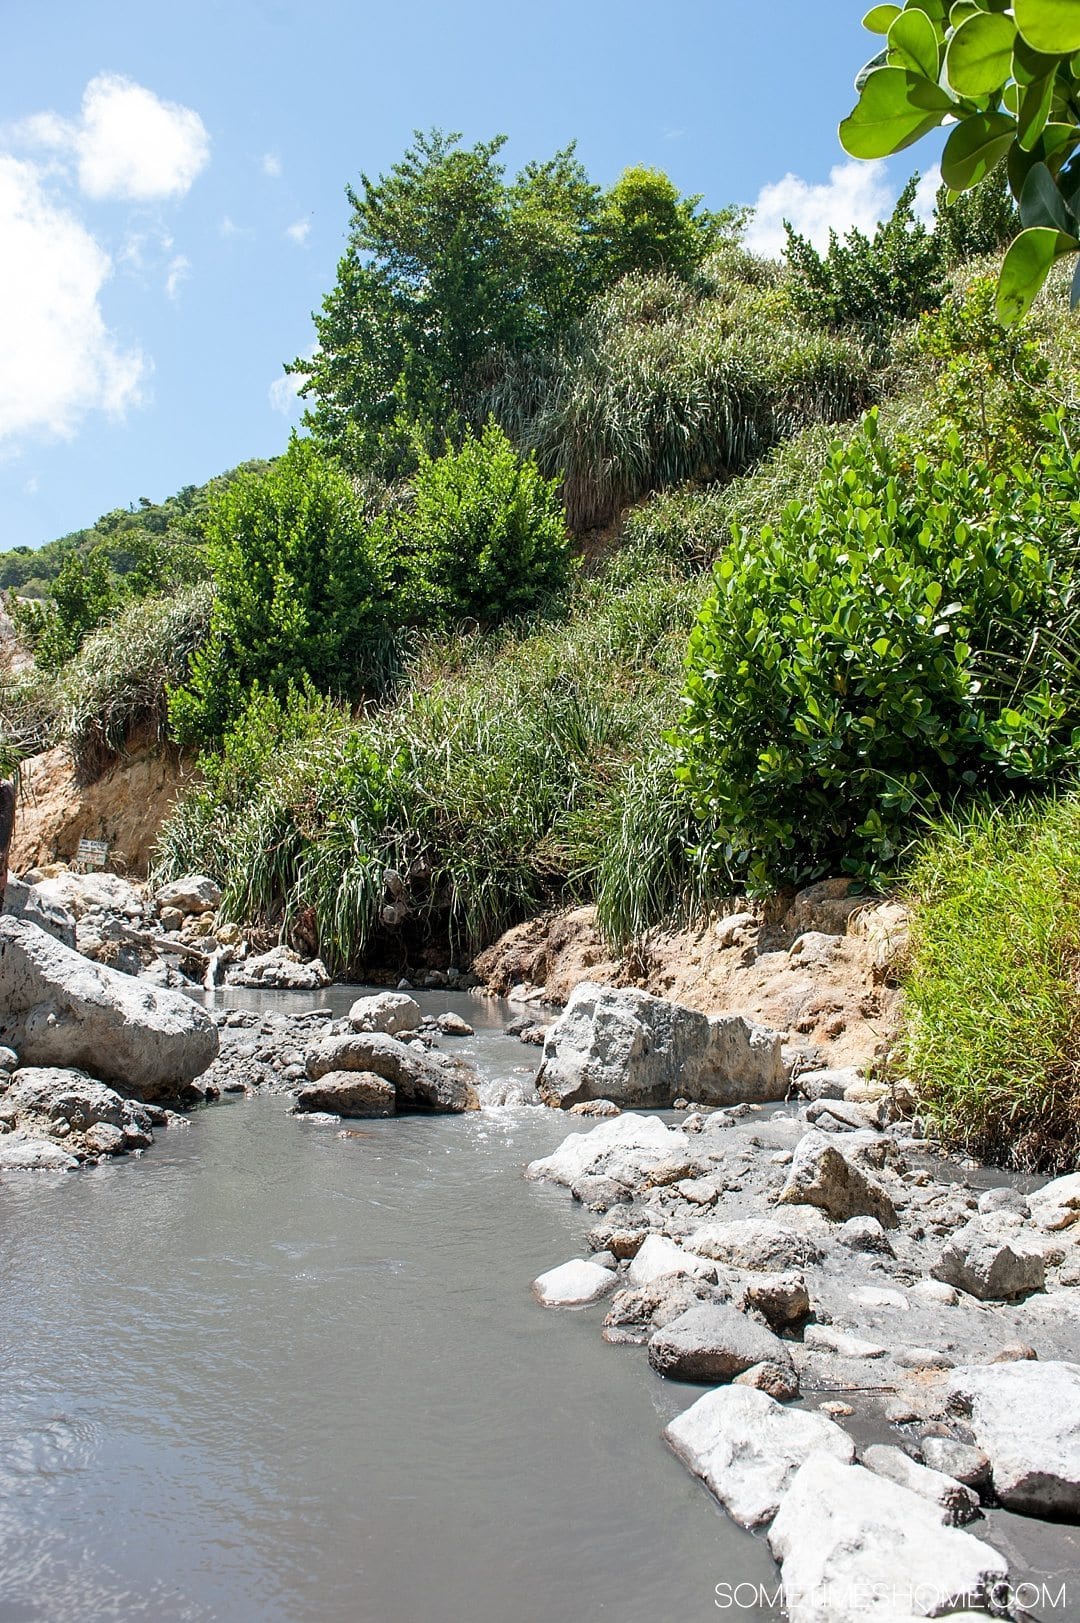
column 905, row 639
column 991, row 1030
column 484, row 537
column 869, row 283
column 300, row 593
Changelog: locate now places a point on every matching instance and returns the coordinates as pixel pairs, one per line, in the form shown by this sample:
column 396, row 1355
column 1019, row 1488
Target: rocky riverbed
column 885, row 1338
column 821, row 1273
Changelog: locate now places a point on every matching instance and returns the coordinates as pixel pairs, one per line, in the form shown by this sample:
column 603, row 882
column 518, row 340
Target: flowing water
column 266, row 1374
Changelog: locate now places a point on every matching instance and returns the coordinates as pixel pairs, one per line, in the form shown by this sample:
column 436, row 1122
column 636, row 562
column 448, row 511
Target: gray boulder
column 747, row 1447
column 659, row 1256
column 27, row 902
column 984, row 1261
column 713, row 1343
column 822, row 1175
column 1026, row 1417
column 348, row 1093
column 281, row 969
column 781, row 1299
column 391, row 1012
column 89, row 1118
column 422, row 1083
column 1056, row 1205
column 194, row 893
column 830, row 1084
column 854, row 1546
column 756, row 1243
column 56, row 1008
column 635, row 1049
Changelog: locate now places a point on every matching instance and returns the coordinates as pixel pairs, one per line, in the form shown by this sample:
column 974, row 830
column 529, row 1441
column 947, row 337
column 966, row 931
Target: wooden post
column 7, row 829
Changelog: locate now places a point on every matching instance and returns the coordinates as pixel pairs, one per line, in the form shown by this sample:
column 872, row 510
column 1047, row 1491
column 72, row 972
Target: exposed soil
column 125, row 807
column 820, row 966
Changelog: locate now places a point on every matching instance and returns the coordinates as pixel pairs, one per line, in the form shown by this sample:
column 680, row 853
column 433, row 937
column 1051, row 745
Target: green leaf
column 979, row 55
column 1042, row 204
column 1035, row 107
column 1049, row 25
column 974, row 147
column 895, row 109
column 879, row 19
column 1027, row 265
column 914, row 38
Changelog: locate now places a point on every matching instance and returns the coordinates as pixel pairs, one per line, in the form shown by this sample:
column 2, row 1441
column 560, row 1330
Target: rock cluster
column 777, row 1254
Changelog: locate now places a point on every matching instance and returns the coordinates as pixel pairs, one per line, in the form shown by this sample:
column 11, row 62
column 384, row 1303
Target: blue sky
column 172, row 188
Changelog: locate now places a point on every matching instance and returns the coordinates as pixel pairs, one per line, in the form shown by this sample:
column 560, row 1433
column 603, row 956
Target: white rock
column 22, row 1154
column 936, row 1291
column 823, row 1338
column 822, row 1175
column 982, row 1259
column 79, row 892
column 574, row 1284
column 282, row 969
column 956, row 1504
column 756, row 1243
column 643, row 1137
column 1026, row 1416
column 747, row 1447
column 392, row 1012
column 659, row 1256
column 1057, row 1204
column 854, row 1546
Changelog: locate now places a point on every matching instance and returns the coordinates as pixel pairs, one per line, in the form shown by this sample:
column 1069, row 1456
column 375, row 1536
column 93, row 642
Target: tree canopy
column 453, row 272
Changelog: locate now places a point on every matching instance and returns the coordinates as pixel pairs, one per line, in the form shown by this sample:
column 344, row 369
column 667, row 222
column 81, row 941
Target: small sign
column 92, row 853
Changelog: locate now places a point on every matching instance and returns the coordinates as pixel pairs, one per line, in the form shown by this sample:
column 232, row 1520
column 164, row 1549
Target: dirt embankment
column 819, row 965
column 125, row 807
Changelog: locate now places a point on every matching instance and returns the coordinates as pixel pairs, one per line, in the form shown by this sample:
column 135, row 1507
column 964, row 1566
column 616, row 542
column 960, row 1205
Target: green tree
column 300, row 593
column 82, row 595
column 1006, row 79
column 453, row 276
column 645, row 225
column 485, row 537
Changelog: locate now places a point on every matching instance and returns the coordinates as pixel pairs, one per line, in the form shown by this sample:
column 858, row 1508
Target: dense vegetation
column 619, row 564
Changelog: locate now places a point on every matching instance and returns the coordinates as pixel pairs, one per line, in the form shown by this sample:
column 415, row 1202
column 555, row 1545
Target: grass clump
column 114, row 689
column 991, row 1036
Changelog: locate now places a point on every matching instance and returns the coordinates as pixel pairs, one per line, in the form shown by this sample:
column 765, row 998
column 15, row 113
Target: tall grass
column 666, row 382
column 491, row 787
column 991, row 1035
column 116, row 684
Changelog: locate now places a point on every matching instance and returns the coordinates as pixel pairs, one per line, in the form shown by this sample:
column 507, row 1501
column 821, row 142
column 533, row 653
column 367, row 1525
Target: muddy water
column 266, row 1373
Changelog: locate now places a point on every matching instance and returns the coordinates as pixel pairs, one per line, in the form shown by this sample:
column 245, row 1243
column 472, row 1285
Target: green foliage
column 870, row 283
column 452, row 275
column 972, row 224
column 668, row 383
column 484, row 537
column 1007, row 83
column 490, row 785
column 871, row 657
column 300, row 592
column 80, row 597
column 644, row 225
column 115, row 687
column 992, row 1010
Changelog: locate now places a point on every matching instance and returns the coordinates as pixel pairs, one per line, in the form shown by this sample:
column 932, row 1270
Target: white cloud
column 31, row 486
column 857, row 194
column 271, row 165
column 58, row 360
column 926, row 196
column 228, row 227
column 283, row 392
column 177, row 273
column 133, row 145
column 298, row 232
